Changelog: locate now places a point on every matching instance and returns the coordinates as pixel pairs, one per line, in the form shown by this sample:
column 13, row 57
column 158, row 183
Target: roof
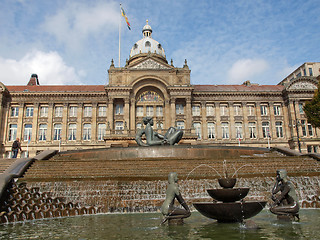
column 238, row 88
column 57, row 88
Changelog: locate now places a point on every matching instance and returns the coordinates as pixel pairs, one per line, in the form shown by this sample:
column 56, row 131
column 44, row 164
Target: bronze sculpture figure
column 171, row 137
column 286, row 202
column 167, row 209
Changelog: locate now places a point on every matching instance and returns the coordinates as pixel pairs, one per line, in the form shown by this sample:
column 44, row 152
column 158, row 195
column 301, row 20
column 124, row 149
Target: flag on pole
column 126, row 18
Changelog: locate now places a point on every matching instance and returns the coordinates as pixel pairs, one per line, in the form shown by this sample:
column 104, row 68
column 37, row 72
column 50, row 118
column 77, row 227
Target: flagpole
column 119, row 35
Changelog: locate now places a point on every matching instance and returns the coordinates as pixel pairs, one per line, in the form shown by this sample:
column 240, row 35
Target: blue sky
column 224, row 42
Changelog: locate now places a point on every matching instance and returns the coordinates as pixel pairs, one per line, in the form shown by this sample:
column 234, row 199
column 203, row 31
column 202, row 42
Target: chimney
column 33, row 80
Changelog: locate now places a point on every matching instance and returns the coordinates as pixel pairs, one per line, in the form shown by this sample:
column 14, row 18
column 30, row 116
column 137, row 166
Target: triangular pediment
column 150, row 64
column 303, row 84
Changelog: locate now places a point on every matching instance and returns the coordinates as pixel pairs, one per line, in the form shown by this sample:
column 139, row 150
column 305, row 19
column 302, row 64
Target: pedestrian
column 16, row 145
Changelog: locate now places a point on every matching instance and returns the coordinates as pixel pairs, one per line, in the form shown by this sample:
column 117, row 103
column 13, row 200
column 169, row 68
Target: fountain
column 228, row 204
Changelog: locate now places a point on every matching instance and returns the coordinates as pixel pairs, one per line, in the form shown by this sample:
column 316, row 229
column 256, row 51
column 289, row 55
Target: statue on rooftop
column 284, row 196
column 167, row 209
column 171, row 137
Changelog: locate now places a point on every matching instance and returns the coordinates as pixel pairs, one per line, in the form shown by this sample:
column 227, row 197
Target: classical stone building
column 96, row 116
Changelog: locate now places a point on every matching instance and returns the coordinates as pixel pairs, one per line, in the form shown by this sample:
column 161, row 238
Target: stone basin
column 230, row 212
column 228, row 194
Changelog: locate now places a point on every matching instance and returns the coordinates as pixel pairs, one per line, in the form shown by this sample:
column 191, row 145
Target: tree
column 312, row 109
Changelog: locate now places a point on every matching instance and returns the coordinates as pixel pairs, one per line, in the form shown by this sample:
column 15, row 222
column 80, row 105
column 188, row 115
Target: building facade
column 97, row 116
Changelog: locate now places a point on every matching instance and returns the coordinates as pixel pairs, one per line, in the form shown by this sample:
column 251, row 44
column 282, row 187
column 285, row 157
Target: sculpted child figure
column 285, row 203
column 168, row 210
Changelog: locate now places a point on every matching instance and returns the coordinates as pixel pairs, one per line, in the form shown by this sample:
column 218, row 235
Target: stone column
column 245, row 120
column 64, row 130
column 20, row 121
column 50, row 116
column 292, row 116
column 188, row 113
column 272, row 126
column 79, row 122
column 167, row 110
column 286, row 122
column 126, row 113
column 173, row 112
column 6, row 123
column 132, row 115
column 232, row 122
column 35, row 124
column 218, row 121
column 110, row 113
column 94, row 122
column 259, row 121
column 204, row 121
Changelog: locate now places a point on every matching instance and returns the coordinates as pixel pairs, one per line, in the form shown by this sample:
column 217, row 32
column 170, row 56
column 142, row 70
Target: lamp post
column 297, row 124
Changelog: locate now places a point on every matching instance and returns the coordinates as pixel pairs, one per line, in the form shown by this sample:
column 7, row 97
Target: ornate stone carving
column 149, row 64
column 302, row 85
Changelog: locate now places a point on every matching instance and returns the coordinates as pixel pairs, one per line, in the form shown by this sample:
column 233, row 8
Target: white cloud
column 49, row 66
column 76, row 22
column 244, row 69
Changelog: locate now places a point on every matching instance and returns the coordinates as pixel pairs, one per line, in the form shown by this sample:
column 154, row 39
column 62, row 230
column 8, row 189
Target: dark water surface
column 146, row 226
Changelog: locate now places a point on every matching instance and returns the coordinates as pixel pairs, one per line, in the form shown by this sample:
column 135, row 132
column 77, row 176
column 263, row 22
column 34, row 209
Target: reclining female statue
column 171, row 137
column 285, row 203
column 167, row 209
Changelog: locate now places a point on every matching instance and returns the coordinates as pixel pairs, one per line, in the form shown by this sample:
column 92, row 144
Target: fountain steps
column 59, row 168
column 6, row 163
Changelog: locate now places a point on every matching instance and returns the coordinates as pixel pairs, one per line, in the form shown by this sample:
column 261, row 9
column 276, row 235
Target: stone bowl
column 228, row 194
column 227, row 182
column 230, row 212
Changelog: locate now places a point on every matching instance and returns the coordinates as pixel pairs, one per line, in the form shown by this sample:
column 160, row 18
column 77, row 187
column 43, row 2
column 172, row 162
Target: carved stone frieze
column 302, row 85
column 150, row 64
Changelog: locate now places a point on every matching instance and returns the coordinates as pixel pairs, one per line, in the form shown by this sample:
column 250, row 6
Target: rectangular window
column 87, row 111
column 179, row 109
column 210, row 110
column 310, row 72
column 102, row 111
column 224, row 110
column 279, row 129
column 238, row 128
column 252, row 130
column 298, row 75
column 58, row 110
column 277, row 110
column 225, row 130
column 149, row 111
column 119, row 127
column 304, row 128
column 159, row 110
column 237, row 110
column 159, row 125
column 13, row 132
column 195, row 110
column 27, row 132
column 43, row 132
column 87, row 131
column 211, row 130
column 101, row 131
column 14, row 112
column 304, row 72
column 73, row 111
column 119, row 109
column 251, row 110
column 310, row 130
column 139, row 111
column 29, row 111
column 57, row 129
column 265, row 129
column 43, row 111
column 72, row 132
column 264, row 110
column 301, row 108
column 180, row 124
column 197, row 127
